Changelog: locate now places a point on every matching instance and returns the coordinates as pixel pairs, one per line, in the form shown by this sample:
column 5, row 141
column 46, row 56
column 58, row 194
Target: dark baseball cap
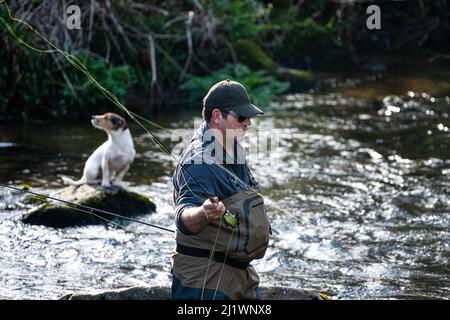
column 233, row 95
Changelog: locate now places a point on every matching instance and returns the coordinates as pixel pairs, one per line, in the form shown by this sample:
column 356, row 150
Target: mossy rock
column 293, row 74
column 251, row 54
column 163, row 293
column 286, row 293
column 116, row 200
column 299, row 80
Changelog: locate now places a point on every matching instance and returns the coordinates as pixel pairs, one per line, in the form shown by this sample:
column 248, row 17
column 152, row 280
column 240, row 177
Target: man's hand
column 213, row 210
column 197, row 218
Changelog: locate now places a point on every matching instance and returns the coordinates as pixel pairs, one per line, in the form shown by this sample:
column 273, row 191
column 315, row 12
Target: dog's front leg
column 121, row 174
column 105, row 172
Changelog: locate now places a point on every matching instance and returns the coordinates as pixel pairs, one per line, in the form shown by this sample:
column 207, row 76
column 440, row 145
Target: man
column 212, row 259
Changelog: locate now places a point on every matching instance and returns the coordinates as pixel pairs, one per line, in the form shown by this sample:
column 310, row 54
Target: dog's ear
column 117, row 122
column 114, row 120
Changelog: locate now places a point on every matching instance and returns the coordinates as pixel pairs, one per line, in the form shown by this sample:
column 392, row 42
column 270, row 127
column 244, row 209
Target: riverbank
column 372, row 78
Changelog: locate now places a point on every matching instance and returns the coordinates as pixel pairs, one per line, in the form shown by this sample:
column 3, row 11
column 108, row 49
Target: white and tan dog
column 113, row 158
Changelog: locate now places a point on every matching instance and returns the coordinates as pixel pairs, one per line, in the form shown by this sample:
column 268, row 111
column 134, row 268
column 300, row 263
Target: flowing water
column 356, row 177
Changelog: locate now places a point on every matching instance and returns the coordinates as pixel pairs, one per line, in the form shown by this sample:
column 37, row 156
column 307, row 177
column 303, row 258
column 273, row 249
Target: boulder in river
column 116, row 200
column 163, row 293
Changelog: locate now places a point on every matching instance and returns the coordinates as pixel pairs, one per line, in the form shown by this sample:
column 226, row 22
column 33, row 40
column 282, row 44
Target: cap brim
column 248, row 110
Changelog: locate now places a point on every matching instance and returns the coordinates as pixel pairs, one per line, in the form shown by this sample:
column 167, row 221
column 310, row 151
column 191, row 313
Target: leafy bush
column 43, row 93
column 239, row 18
column 260, row 85
column 117, row 79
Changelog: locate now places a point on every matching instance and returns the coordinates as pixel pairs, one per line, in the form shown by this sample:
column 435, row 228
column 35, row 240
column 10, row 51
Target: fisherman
column 212, row 259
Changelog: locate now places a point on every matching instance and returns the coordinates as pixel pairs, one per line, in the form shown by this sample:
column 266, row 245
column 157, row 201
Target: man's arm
column 197, row 218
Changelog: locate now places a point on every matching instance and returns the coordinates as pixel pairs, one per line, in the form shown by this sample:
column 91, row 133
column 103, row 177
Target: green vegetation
column 117, row 79
column 192, row 44
column 260, row 85
column 35, row 199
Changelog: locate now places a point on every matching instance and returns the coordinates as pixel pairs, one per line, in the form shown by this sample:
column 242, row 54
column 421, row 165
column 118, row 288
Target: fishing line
column 223, row 264
column 96, row 215
column 211, row 254
column 77, row 64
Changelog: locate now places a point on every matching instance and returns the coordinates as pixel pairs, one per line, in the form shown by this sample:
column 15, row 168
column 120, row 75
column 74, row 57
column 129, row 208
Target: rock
column 163, row 293
column 133, row 293
column 251, row 54
column 286, row 293
column 294, row 74
column 116, row 200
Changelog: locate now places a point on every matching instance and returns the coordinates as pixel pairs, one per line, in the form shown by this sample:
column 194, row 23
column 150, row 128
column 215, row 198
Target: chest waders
column 198, row 271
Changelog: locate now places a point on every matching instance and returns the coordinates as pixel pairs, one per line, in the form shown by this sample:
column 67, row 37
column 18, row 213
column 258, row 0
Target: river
column 356, row 177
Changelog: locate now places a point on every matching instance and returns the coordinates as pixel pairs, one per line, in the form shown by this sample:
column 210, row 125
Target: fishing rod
column 85, row 207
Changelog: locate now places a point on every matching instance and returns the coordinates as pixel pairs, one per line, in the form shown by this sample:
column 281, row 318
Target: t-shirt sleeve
column 190, row 193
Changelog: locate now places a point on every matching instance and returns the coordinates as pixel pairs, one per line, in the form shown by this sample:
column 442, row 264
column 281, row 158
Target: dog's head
column 109, row 122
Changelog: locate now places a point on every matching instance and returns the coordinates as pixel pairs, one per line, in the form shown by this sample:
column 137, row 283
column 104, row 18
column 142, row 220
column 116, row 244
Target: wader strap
column 218, row 256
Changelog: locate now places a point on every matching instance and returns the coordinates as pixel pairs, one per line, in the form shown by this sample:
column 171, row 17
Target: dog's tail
column 67, row 180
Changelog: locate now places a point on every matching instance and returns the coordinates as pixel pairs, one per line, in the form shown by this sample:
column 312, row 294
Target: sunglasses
column 239, row 118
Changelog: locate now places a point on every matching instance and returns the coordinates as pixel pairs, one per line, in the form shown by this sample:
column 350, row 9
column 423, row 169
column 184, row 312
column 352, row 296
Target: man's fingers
column 215, row 207
column 214, row 210
column 210, row 206
column 221, row 207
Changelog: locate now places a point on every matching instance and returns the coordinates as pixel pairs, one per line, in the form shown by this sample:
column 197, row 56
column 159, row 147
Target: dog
column 113, row 158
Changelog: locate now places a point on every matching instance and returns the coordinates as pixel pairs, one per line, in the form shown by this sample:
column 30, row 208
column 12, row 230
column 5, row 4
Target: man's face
column 232, row 128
